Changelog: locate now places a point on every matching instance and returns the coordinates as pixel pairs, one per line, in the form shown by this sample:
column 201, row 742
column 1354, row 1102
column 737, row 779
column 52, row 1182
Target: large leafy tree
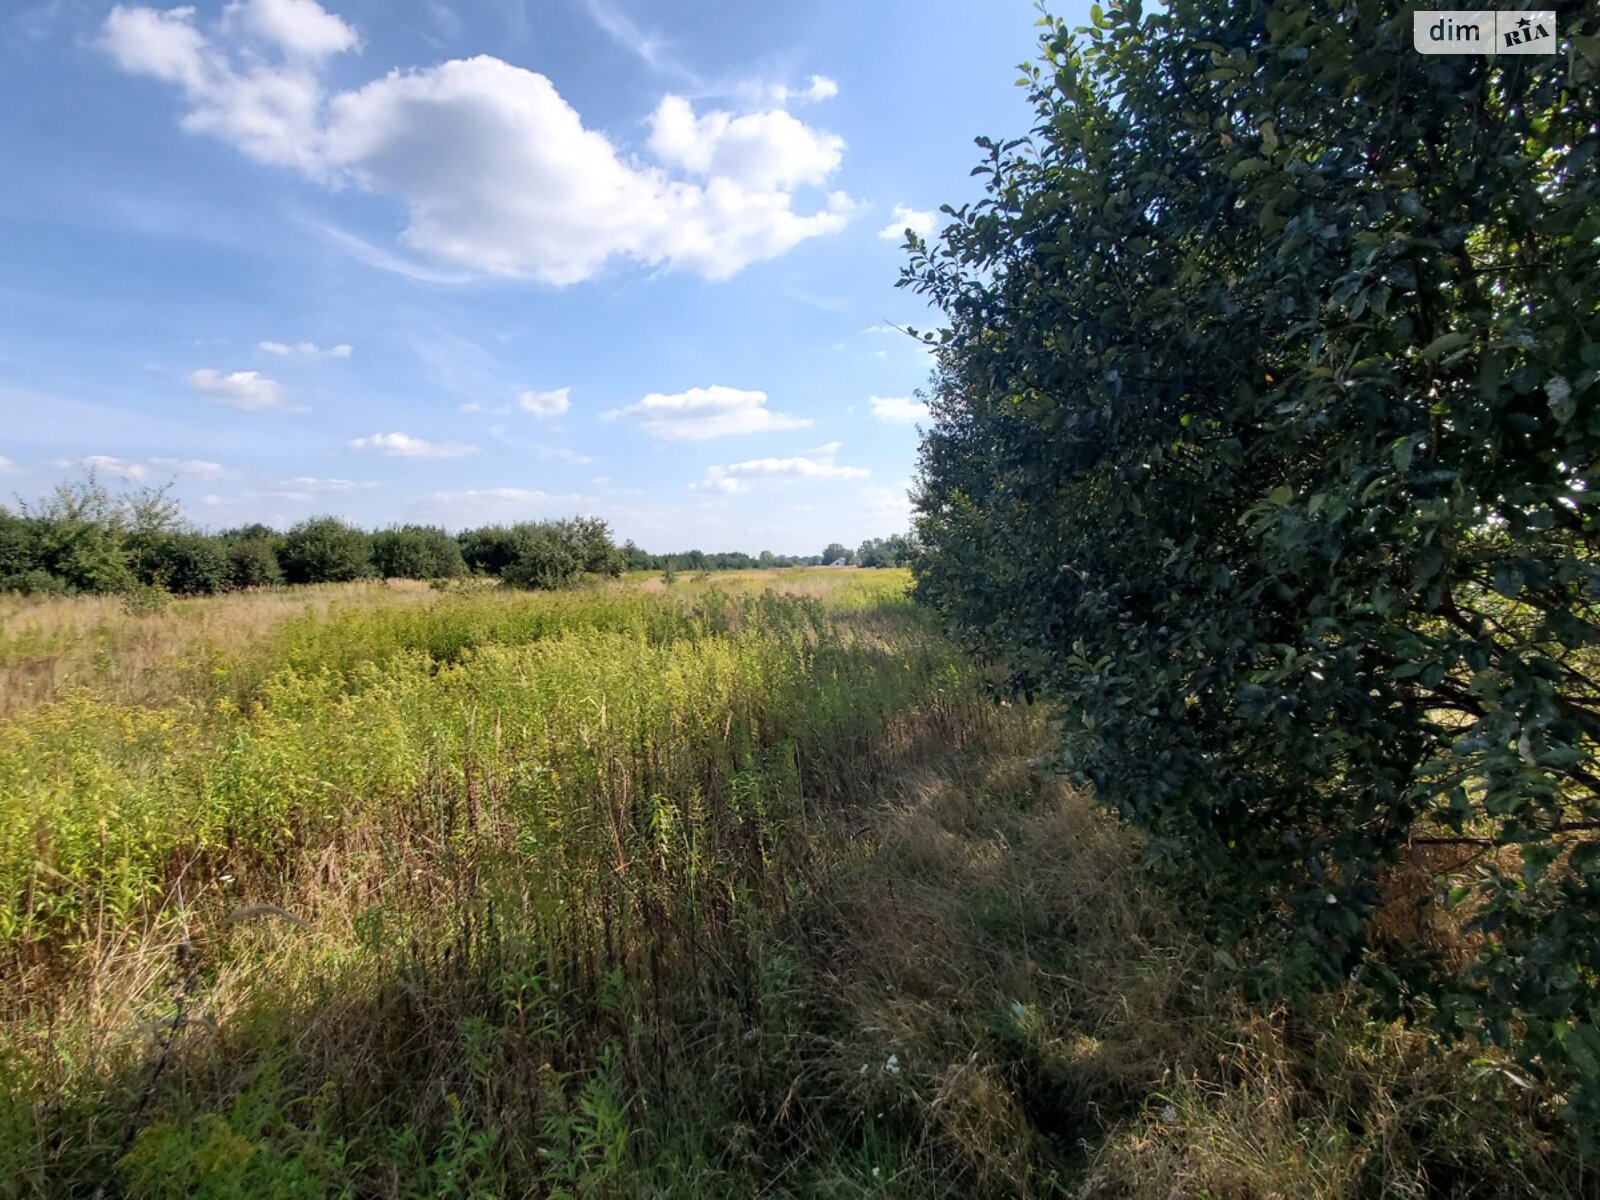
column 325, row 550
column 1265, row 438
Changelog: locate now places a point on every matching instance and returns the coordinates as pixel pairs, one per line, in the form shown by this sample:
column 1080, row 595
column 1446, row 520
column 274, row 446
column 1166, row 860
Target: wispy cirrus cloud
column 545, row 404
column 306, row 350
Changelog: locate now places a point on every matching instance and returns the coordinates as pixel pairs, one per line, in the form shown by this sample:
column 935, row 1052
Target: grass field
column 734, row 887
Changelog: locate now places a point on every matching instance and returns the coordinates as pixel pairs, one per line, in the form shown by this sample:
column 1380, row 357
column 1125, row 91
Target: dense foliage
column 1266, row 437
column 416, row 552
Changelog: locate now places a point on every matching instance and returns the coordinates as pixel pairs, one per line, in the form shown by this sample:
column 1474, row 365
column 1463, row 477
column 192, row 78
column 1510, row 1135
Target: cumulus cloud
column 545, row 404
column 700, row 414
column 306, row 350
column 137, row 469
column 496, row 171
column 817, row 88
column 248, row 390
column 898, row 410
column 403, row 445
column 301, row 29
column 763, row 151
column 920, row 221
column 738, row 477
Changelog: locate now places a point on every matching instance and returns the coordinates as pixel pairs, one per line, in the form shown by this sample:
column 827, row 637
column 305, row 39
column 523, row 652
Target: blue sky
column 460, row 262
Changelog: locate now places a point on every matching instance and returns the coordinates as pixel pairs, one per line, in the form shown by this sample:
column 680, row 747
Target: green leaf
column 1445, row 343
column 1247, row 167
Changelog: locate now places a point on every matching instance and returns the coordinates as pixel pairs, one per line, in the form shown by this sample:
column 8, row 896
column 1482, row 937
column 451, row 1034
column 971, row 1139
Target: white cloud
column 545, row 404
column 299, row 28
column 920, row 221
column 898, row 410
column 703, row 413
column 196, row 468
column 889, row 507
column 476, row 506
column 249, row 390
column 826, row 450
column 474, row 406
column 762, row 151
column 403, row 445
column 114, row 466
column 136, row 469
column 737, row 477
column 314, row 483
column 6, row 464
column 306, row 350
column 817, row 88
column 495, row 169
column 268, row 110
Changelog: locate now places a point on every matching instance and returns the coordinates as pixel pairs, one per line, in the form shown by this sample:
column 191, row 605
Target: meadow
column 738, row 886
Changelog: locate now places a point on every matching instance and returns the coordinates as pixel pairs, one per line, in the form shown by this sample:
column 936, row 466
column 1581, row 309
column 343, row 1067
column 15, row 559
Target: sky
column 473, row 261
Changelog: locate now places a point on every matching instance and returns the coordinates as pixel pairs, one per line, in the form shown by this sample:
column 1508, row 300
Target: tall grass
column 729, row 888
column 560, row 817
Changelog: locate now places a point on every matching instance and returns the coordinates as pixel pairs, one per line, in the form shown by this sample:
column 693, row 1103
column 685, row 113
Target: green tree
column 1265, row 439
column 86, row 538
column 416, row 552
column 253, row 556
column 488, row 550
column 547, row 556
column 325, row 550
column 836, row 551
column 591, row 537
column 184, row 562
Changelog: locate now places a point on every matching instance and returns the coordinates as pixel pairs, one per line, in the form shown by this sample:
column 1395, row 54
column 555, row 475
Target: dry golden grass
column 52, row 644
column 1058, row 1031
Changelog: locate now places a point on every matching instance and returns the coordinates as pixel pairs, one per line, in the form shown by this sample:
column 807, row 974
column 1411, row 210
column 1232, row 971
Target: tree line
column 84, row 538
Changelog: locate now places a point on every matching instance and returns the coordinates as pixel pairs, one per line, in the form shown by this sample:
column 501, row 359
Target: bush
column 253, row 562
column 547, row 556
column 1266, row 431
column 489, row 550
column 325, row 550
column 187, row 564
column 416, row 552
column 34, row 583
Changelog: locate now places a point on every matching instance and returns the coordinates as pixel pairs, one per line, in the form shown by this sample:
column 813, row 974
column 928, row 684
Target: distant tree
column 591, row 538
column 326, row 550
column 488, row 550
column 836, row 551
column 767, row 559
column 635, row 559
column 187, row 563
column 547, row 556
column 253, row 562
column 86, row 537
column 416, row 552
